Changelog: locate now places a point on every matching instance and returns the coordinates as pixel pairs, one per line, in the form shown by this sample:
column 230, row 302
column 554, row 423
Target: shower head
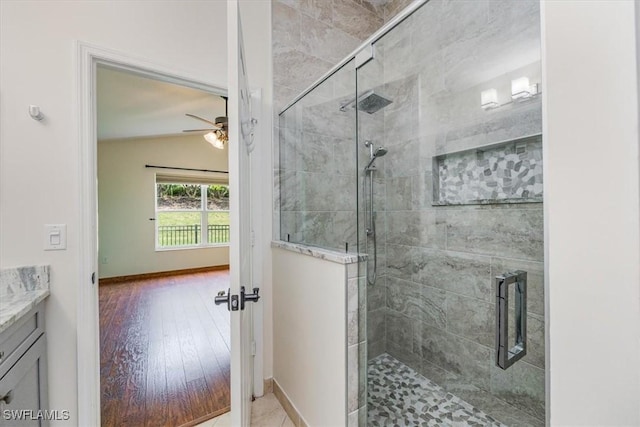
column 369, row 102
column 379, row 152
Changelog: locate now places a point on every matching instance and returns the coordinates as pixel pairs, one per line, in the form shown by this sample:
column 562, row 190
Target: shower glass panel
column 318, row 180
column 457, row 201
column 428, row 159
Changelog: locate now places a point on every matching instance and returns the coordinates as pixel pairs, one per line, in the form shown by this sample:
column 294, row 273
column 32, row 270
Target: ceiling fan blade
column 200, row 118
column 198, row 130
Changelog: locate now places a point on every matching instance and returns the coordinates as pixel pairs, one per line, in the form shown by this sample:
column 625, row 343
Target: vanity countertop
column 13, row 307
column 21, row 289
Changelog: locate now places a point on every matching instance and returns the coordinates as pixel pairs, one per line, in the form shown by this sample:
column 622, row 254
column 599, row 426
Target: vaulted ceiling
column 130, row 106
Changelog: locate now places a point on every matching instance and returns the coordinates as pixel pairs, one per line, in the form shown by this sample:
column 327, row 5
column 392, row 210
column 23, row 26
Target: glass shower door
column 450, row 200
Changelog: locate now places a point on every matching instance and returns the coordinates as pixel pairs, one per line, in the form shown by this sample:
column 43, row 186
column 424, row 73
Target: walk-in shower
column 449, row 223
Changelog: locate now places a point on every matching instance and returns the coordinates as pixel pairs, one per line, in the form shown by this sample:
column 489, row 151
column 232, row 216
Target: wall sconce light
column 489, row 99
column 521, row 89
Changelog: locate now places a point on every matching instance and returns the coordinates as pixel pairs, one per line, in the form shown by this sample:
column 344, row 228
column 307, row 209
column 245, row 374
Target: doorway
column 162, row 251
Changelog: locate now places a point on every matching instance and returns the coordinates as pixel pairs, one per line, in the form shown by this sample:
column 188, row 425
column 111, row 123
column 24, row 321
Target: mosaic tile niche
column 506, row 172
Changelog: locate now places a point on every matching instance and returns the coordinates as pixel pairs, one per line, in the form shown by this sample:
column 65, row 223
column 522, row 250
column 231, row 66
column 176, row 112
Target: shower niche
column 503, row 172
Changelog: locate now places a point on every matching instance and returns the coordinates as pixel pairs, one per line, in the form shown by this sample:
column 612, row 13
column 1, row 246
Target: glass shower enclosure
column 423, row 151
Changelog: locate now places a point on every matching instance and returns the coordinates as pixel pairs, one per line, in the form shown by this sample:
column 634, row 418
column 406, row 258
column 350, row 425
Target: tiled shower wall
column 433, row 307
column 315, row 164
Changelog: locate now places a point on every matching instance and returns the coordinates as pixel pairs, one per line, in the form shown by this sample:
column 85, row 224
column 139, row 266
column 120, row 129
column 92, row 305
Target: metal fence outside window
column 184, row 235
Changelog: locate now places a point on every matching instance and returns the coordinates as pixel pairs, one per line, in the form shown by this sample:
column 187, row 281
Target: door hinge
column 93, row 278
column 253, row 238
column 253, row 348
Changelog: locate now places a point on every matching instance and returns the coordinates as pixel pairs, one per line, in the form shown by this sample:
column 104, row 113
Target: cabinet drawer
column 19, row 337
column 24, row 389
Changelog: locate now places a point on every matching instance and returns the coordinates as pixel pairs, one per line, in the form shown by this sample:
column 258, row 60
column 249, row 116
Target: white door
column 240, row 147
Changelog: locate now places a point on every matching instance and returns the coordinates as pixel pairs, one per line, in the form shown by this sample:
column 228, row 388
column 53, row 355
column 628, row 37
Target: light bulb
column 520, row 88
column 212, row 138
column 489, row 99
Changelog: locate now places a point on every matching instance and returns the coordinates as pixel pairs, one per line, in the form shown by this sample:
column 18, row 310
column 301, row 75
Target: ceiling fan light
column 213, row 139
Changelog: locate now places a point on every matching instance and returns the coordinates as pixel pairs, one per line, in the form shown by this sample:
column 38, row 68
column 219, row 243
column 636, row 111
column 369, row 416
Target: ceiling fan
column 218, row 134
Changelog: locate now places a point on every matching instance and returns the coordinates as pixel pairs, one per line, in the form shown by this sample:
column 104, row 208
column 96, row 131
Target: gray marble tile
column 497, row 408
column 521, row 385
column 344, row 157
column 377, row 294
column 535, row 341
column 316, row 229
column 403, row 92
column 290, row 143
column 290, row 227
column 286, row 25
column 399, row 194
column 516, row 233
column 462, row 273
column 398, row 328
column 326, row 118
column 290, row 194
column 416, row 228
column 417, row 301
column 471, row 318
column 324, row 41
column 376, row 325
column 352, row 311
column 376, row 348
column 352, row 378
column 314, row 152
column 462, row 20
column 400, row 261
column 421, row 191
column 404, row 354
column 401, row 128
column 453, row 353
column 393, row 7
column 355, row 20
column 521, row 120
column 297, row 70
column 321, row 10
column 362, row 309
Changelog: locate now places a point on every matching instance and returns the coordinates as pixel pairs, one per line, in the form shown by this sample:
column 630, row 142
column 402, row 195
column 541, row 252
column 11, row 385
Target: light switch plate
column 55, row 237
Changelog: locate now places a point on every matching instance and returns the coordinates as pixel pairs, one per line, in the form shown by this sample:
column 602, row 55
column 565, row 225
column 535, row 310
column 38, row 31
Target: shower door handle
column 515, row 283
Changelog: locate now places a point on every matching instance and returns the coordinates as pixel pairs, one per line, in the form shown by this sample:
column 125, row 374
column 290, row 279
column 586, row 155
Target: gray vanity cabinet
column 23, row 372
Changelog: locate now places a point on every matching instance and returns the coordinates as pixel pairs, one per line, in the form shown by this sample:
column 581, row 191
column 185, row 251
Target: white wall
column 126, row 201
column 591, row 200
column 39, row 166
column 309, row 338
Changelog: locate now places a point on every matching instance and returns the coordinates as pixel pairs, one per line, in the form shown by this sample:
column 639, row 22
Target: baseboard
column 289, row 408
column 268, row 385
column 207, row 417
column 120, row 279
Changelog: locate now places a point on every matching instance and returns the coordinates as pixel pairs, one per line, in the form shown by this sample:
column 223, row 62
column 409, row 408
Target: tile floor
column 400, row 396
column 265, row 412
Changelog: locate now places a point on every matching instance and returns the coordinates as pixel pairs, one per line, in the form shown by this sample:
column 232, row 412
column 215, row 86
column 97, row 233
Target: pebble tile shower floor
column 400, row 396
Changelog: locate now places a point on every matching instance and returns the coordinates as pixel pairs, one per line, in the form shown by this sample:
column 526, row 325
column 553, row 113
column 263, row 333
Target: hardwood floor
column 164, row 350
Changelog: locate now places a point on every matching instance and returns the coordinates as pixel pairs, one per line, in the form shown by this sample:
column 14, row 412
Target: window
column 184, row 210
